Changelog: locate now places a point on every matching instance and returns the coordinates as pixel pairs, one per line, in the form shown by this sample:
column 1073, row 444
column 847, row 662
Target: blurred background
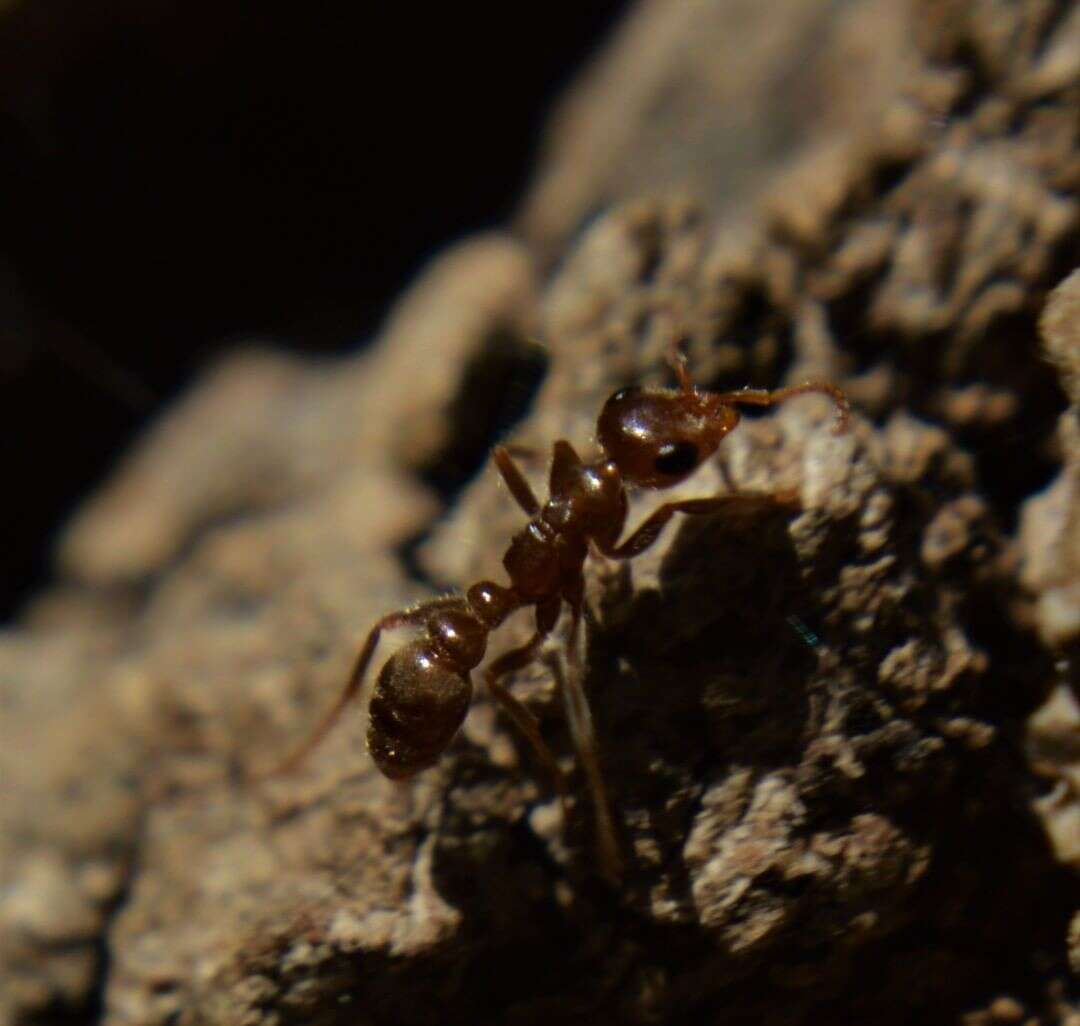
column 177, row 178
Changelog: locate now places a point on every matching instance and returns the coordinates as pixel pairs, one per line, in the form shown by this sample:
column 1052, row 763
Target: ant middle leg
column 399, row 618
column 647, row 534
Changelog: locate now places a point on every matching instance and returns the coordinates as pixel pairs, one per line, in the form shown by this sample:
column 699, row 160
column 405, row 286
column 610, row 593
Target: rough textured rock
column 813, row 721
column 1050, row 547
column 1050, row 529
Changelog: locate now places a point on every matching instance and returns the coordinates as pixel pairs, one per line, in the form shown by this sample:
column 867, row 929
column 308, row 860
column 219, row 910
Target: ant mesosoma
column 649, row 438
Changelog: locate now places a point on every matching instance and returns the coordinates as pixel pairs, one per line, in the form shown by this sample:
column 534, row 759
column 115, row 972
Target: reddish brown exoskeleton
column 649, row 438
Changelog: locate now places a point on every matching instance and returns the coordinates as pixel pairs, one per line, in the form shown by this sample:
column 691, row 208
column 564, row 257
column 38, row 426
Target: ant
column 648, row 438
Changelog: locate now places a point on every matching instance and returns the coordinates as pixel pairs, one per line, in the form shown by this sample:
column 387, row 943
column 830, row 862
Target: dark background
column 177, row 176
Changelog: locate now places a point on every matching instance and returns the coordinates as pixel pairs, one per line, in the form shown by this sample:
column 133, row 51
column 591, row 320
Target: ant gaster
column 649, row 438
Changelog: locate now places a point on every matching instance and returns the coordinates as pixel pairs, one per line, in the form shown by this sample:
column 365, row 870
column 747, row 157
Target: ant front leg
column 400, row 618
column 647, row 534
column 515, row 480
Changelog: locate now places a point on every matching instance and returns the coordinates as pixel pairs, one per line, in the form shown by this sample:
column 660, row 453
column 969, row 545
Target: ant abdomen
column 423, row 693
column 417, row 706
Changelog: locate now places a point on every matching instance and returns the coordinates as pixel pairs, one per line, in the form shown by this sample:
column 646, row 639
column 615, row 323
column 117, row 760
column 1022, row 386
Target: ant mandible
column 649, row 438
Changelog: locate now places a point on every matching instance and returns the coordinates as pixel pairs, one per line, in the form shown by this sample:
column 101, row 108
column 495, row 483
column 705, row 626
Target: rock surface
column 813, row 722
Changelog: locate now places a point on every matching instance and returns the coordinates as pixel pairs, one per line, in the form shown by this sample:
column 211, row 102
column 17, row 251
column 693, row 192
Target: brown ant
column 649, row 438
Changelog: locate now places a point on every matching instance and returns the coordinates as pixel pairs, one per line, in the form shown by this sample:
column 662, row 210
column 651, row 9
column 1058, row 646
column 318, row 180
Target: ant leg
column 579, row 718
column 522, row 452
column 400, row 618
column 565, row 476
column 651, row 529
column 519, row 715
column 600, row 558
column 515, row 480
column 763, row 397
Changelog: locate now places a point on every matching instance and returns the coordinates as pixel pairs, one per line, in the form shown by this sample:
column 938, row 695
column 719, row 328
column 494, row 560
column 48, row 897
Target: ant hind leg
column 570, row 679
column 519, row 715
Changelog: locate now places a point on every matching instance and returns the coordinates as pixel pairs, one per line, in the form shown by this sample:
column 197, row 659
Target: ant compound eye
column 625, row 393
column 676, row 459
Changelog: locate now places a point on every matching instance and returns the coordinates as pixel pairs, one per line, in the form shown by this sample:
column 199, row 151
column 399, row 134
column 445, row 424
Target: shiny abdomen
column 416, row 708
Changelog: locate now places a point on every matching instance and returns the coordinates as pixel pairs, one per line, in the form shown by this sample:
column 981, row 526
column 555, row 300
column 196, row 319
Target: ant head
column 658, row 438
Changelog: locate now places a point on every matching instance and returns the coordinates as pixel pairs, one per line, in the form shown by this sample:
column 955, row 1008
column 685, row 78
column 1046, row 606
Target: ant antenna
column 765, row 397
column 676, row 360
